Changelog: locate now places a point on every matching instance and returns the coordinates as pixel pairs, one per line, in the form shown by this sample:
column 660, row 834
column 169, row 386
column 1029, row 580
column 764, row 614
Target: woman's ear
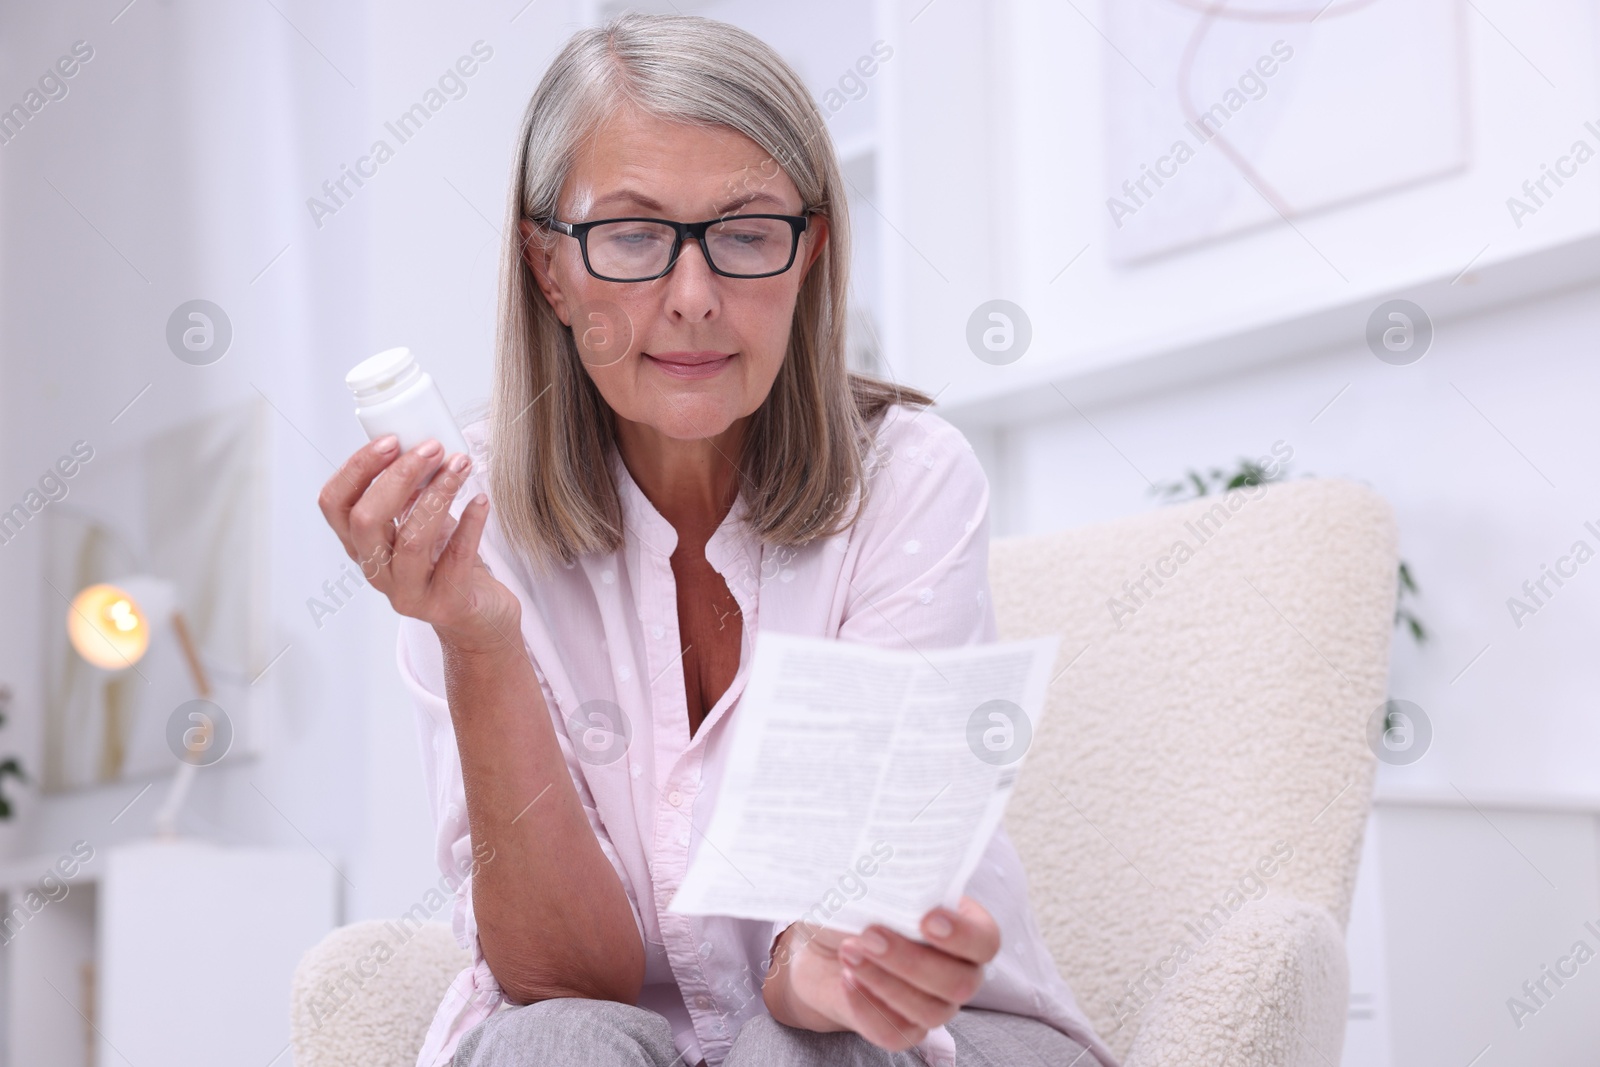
column 816, row 238
column 536, row 250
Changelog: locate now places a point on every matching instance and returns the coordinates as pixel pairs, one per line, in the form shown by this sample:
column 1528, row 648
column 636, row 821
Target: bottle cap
column 385, row 371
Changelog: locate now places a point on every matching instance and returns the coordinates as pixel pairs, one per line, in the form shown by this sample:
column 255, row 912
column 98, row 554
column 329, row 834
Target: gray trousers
column 576, row 1032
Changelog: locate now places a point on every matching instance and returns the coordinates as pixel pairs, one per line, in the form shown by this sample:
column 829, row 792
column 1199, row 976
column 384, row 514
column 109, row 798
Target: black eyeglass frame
column 798, row 224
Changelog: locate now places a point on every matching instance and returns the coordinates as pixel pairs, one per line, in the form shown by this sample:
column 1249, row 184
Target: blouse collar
column 654, row 533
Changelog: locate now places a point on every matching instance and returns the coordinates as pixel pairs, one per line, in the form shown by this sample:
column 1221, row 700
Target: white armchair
column 1206, row 747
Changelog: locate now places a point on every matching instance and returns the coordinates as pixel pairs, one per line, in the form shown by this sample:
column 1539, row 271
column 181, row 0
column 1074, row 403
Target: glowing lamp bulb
column 107, row 628
column 122, row 615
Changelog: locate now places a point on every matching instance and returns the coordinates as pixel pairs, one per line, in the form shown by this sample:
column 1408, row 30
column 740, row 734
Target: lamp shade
column 109, row 624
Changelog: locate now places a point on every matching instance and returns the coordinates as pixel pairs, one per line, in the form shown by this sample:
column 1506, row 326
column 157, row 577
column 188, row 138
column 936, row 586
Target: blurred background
column 1133, row 246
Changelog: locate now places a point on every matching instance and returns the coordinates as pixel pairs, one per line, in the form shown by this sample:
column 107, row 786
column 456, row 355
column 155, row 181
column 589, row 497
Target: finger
column 822, row 936
column 411, row 502
column 372, row 517
column 341, row 492
column 934, row 971
column 452, row 575
column 905, row 999
column 823, row 939
column 423, row 528
column 972, row 932
column 876, row 1021
column 447, row 526
column 799, row 936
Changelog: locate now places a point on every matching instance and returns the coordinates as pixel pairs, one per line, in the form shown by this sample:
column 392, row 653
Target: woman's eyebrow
column 647, row 203
column 750, row 198
column 625, row 196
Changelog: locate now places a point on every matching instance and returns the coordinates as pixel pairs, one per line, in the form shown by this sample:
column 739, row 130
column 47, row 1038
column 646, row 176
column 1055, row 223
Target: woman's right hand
column 392, row 513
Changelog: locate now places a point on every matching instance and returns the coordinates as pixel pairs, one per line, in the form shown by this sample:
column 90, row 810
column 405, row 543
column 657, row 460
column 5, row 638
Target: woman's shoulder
column 920, row 470
column 926, row 507
column 928, row 447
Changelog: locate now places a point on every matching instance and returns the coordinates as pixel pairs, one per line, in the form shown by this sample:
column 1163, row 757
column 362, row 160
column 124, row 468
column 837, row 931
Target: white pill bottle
column 395, row 395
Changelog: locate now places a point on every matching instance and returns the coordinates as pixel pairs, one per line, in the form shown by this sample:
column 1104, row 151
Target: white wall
column 997, row 181
column 1461, row 444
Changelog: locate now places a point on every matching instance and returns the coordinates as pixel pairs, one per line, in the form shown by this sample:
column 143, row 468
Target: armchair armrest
column 368, row 991
column 1269, row 988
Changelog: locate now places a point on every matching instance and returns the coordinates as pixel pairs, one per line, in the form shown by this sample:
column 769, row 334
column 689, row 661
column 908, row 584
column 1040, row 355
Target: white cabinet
column 177, row 953
column 1460, row 901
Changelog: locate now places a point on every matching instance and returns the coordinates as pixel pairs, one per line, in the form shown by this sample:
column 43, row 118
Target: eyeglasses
column 638, row 250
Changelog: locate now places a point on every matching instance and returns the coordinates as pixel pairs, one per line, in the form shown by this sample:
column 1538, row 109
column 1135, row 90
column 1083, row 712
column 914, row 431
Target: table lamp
column 110, row 625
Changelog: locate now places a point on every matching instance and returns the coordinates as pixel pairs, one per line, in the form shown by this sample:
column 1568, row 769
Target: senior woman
column 677, row 457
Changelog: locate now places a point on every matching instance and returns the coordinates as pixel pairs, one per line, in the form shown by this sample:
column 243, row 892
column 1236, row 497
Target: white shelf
column 1523, row 800
column 1028, row 389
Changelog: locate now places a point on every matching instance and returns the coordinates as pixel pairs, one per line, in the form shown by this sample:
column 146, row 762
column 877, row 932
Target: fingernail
column 874, row 943
column 851, row 953
column 430, row 449
column 481, row 498
column 387, row 443
column 939, row 926
column 458, row 463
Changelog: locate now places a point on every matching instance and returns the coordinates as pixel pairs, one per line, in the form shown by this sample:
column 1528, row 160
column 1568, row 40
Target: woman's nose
column 691, row 285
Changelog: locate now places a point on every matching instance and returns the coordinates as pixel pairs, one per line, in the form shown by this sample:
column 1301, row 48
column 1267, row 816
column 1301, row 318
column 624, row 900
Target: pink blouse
column 911, row 573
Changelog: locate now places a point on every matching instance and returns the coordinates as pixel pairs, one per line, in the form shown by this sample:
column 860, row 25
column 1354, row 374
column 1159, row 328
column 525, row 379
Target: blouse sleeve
column 921, row 576
column 475, row 994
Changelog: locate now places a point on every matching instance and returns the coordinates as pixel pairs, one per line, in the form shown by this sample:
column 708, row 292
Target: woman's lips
column 689, row 366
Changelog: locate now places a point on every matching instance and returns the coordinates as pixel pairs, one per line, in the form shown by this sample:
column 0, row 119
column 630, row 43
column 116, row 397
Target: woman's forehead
column 638, row 161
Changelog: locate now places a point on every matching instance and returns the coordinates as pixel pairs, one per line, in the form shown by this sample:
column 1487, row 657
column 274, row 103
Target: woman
column 677, row 457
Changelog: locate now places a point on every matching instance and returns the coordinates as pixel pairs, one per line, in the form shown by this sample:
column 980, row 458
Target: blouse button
column 702, row 1002
column 637, row 770
column 656, row 631
column 674, row 798
column 608, row 576
column 683, row 839
column 705, row 949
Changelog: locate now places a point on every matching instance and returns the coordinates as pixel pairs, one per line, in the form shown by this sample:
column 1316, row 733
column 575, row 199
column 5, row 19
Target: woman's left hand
column 888, row 988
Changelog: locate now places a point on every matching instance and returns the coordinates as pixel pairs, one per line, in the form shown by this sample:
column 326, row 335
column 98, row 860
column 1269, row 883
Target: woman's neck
column 691, row 482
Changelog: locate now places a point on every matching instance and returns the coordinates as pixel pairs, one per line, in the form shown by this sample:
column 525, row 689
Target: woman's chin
column 689, row 416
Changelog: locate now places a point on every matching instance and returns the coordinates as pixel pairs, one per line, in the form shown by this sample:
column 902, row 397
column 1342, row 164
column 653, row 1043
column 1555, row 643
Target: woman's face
column 691, row 352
